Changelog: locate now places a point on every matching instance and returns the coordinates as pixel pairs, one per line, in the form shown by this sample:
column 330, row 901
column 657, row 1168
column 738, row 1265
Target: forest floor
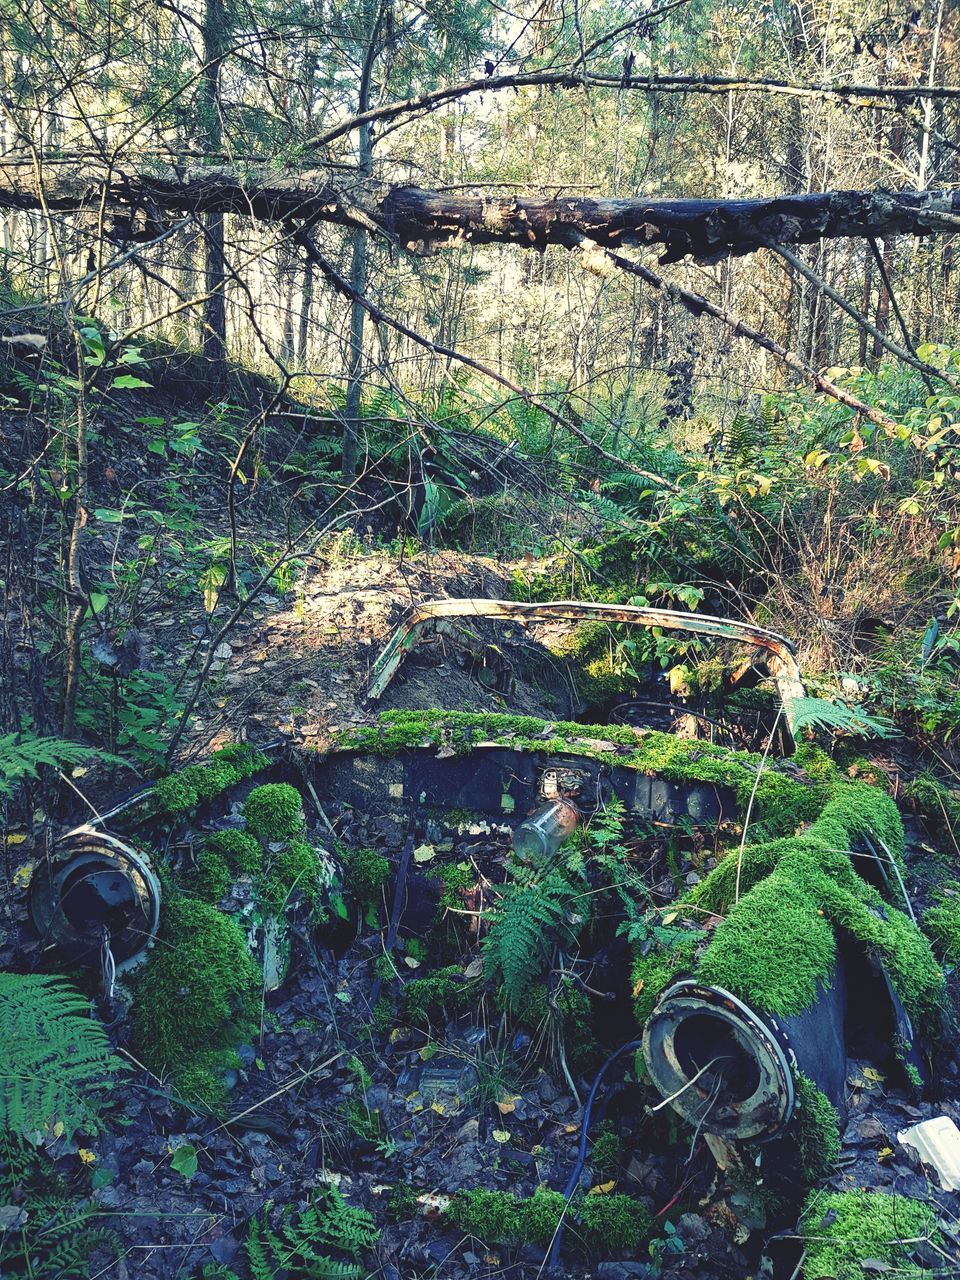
column 325, row 1094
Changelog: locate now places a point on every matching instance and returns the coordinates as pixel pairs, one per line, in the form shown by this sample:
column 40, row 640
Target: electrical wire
column 574, row 1178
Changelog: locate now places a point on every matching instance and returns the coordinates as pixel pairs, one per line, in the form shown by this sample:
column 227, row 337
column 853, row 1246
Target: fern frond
column 838, row 717
column 21, row 757
column 527, row 921
column 58, row 1065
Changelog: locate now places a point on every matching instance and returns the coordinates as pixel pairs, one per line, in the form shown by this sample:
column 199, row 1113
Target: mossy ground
column 598, row 1223
column 842, row 1229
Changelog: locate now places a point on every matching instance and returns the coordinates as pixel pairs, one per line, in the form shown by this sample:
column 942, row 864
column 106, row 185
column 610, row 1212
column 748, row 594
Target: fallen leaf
column 501, row 1135
column 424, row 853
column 602, row 1188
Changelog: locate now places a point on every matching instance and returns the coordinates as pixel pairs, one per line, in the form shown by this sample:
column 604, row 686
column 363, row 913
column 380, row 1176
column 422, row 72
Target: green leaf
column 128, row 381
column 185, row 1160
column 98, row 601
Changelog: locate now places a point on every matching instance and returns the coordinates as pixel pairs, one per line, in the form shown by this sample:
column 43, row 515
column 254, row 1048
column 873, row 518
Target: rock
column 617, row 1270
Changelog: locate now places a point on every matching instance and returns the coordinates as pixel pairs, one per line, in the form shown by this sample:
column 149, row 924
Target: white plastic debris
column 938, row 1142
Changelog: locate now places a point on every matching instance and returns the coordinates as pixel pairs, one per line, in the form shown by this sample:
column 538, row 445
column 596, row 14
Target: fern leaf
column 526, row 924
column 838, row 717
column 58, row 1065
column 21, row 757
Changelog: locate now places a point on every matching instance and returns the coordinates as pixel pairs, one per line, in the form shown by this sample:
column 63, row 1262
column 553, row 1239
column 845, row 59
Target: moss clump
column 198, row 997
column 274, row 812
column 815, row 1133
column 815, row 762
column 443, row 991
column 294, row 869
column 240, row 851
column 942, row 923
column 842, row 1229
column 612, row 1222
column 606, row 1151
column 653, row 972
column 567, row 1005
column 773, row 947
column 212, row 877
column 457, row 879
column 931, row 798
column 196, row 784
column 365, row 872
column 601, row 1224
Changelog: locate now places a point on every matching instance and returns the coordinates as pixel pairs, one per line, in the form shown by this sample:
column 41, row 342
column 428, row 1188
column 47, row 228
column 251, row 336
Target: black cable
column 554, row 1256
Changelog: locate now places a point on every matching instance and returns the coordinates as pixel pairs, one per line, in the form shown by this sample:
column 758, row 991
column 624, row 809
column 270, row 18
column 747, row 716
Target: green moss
column 567, row 1005
column 240, row 851
column 198, row 996
column 653, row 972
column 942, row 923
column 815, row 1133
column 443, row 991
column 457, row 879
column 383, row 1014
column 931, row 798
column 274, row 812
column 601, row 1224
column 815, row 762
column 402, row 1205
column 292, row 870
column 611, row 1223
column 212, row 877
column 606, row 1151
column 842, row 1229
column 773, row 950
column 365, row 873
column 782, row 801
column 197, row 783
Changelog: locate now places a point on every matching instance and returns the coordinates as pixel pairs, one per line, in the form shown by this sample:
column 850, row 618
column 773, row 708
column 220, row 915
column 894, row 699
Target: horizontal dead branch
column 707, row 230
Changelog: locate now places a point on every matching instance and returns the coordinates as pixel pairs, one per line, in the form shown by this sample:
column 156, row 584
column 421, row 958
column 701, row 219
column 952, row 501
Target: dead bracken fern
column 57, row 1065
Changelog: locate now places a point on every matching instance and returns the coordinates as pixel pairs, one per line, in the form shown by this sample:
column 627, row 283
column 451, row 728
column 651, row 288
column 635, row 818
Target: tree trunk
column 214, row 261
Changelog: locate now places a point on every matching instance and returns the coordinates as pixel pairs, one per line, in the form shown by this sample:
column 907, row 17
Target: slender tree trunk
column 214, row 261
column 358, row 263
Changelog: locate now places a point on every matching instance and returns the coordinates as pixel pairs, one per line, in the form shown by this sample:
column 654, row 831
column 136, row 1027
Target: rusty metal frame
column 778, row 652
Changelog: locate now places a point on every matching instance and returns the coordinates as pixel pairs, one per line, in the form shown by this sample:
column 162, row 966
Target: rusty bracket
column 778, row 652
